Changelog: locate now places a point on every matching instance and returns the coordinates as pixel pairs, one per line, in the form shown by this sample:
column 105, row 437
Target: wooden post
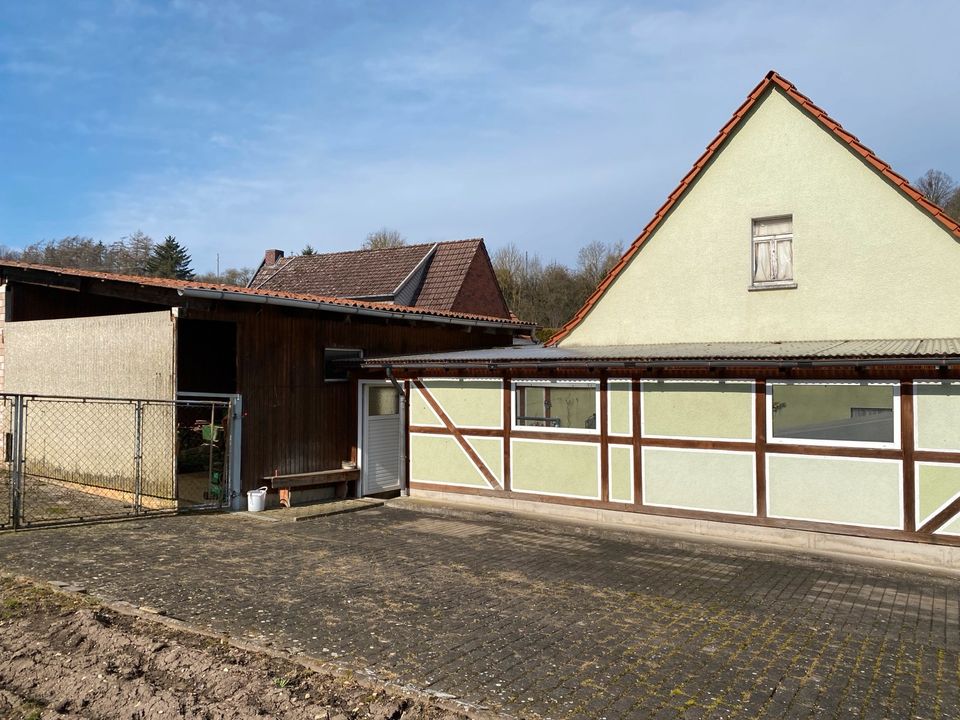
column 907, row 445
column 760, row 420
column 604, row 442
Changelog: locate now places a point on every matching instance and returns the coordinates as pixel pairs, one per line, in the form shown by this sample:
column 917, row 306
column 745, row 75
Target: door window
column 382, row 401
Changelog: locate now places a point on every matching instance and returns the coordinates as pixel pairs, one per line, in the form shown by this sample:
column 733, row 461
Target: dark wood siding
column 294, row 421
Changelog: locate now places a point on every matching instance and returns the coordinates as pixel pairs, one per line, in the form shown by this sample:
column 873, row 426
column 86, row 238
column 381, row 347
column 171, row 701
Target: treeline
column 550, row 293
column 135, row 254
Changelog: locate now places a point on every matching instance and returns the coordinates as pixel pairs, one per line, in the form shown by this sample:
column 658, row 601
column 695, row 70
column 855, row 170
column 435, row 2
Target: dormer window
column 773, row 253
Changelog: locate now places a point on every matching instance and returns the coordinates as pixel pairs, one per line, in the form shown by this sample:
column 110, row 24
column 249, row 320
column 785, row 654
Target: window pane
column 784, row 260
column 841, row 413
column 556, row 406
column 762, row 262
column 335, row 370
column 382, row 401
column 773, row 226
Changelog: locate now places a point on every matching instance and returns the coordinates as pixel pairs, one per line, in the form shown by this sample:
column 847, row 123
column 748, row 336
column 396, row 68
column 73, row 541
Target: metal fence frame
column 21, row 481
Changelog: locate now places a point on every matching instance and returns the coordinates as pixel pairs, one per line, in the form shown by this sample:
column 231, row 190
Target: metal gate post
column 137, row 456
column 16, row 462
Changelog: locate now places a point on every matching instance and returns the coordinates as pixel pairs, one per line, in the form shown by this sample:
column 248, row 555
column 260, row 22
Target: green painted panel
column 854, row 492
column 708, row 410
column 937, row 484
column 439, row 459
column 699, row 480
column 490, row 451
column 555, row 468
column 620, row 404
column 420, row 412
column 469, row 403
column 951, row 528
column 621, row 473
column 938, row 415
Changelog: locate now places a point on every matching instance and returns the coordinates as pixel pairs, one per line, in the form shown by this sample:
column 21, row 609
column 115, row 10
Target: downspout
column 404, row 432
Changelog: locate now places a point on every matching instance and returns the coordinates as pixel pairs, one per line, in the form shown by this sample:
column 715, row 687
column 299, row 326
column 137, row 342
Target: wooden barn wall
column 293, row 420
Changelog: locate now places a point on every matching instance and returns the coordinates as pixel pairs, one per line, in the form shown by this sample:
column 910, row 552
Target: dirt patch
column 63, row 655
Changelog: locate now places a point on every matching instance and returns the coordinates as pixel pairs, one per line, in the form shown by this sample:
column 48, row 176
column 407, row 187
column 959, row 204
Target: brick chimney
column 270, row 257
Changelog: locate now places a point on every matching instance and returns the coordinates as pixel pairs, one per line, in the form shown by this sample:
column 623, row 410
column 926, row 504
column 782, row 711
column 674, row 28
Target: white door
column 380, row 442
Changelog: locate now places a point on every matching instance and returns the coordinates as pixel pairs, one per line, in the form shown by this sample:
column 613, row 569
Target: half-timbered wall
column 699, row 448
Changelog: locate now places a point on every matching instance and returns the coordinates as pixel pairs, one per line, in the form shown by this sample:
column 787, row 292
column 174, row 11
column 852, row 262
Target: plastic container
column 256, row 499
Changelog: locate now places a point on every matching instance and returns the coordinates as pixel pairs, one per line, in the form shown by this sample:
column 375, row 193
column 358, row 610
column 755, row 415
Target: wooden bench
column 340, row 478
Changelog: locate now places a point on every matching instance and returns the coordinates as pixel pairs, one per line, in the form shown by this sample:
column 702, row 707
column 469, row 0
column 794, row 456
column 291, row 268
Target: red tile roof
column 359, row 273
column 771, row 81
column 8, row 265
column 446, row 274
column 381, row 273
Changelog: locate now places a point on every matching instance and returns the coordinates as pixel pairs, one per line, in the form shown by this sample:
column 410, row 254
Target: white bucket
column 256, row 499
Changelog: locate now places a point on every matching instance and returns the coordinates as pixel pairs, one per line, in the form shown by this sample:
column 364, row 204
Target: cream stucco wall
column 116, row 356
column 867, row 262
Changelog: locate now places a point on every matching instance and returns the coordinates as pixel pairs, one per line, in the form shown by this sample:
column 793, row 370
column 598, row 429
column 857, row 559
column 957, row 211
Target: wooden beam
column 507, row 426
column 907, row 445
column 604, row 442
column 941, row 518
column 760, row 420
column 637, row 439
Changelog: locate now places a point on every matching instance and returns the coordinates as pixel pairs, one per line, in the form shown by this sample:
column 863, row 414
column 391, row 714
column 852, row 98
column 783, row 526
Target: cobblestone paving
column 538, row 618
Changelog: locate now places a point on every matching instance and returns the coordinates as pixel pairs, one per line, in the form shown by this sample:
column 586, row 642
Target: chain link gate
column 70, row 459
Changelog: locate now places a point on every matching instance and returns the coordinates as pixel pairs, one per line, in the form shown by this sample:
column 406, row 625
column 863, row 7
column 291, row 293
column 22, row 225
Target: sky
column 239, row 126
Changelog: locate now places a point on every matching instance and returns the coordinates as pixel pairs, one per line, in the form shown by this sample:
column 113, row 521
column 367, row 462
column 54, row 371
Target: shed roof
column 10, row 269
column 820, row 352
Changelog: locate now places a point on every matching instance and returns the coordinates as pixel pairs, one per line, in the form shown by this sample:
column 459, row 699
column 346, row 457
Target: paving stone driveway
column 539, row 618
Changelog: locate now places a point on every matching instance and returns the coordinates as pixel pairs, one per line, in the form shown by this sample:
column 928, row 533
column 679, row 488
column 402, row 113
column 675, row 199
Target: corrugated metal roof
column 813, row 350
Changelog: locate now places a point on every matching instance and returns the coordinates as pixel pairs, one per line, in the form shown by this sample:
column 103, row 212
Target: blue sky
column 239, row 126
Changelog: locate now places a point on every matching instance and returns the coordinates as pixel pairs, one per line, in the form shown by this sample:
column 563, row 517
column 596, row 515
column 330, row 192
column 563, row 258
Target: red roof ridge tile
column 771, row 79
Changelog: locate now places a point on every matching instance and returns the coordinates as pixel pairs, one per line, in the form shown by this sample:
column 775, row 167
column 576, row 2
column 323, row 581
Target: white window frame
column 775, row 239
column 520, row 429
column 771, row 440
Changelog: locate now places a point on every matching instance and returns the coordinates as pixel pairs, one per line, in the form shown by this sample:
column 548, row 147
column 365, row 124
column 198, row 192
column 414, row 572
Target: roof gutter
column 205, row 294
column 651, row 364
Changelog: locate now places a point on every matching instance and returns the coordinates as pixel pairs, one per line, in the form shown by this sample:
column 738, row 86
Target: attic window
column 333, row 370
column 772, row 253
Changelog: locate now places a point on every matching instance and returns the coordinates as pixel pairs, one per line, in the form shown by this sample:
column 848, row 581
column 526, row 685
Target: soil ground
column 63, row 655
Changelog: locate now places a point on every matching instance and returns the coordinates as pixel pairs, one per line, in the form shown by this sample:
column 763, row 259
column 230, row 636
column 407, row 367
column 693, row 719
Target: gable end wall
column 869, row 264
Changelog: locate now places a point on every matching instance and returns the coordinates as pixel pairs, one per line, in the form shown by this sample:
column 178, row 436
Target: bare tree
column 384, row 238
column 937, row 186
column 509, row 267
column 952, row 206
column 595, row 260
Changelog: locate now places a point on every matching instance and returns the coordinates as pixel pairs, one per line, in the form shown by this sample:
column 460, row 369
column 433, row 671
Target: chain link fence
column 69, row 459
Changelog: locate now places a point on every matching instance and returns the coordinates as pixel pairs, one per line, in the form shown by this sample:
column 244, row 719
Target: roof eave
column 344, row 309
column 726, row 363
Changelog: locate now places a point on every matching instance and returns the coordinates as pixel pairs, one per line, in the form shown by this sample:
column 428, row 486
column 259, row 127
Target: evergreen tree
column 170, row 260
